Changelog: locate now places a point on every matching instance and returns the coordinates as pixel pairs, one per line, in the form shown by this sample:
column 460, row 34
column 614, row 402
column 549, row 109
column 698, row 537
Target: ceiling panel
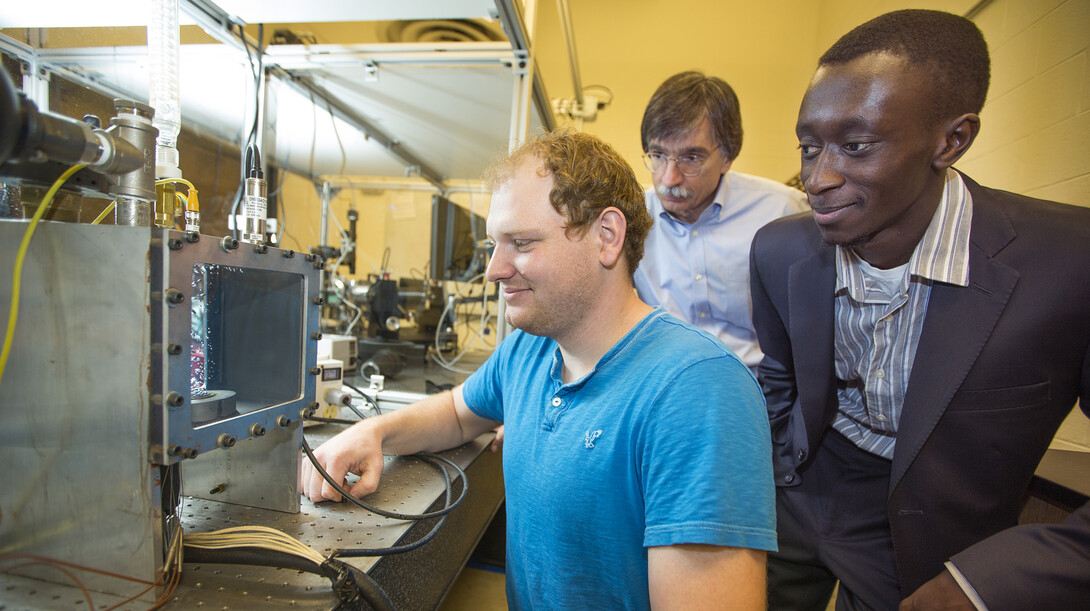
column 453, row 119
column 107, row 13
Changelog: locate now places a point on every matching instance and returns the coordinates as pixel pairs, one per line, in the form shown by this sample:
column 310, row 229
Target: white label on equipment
column 255, row 207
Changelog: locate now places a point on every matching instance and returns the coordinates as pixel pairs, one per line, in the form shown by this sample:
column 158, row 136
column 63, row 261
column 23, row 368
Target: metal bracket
column 521, row 65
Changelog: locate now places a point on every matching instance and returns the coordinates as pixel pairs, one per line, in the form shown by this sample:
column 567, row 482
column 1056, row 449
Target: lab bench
column 413, row 580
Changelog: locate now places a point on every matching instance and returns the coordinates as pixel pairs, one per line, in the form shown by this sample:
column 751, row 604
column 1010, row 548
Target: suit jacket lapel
column 811, row 284
column 958, row 323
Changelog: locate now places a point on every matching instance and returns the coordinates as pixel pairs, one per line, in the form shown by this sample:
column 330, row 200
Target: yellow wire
column 9, row 335
column 191, row 203
column 167, row 181
column 99, row 218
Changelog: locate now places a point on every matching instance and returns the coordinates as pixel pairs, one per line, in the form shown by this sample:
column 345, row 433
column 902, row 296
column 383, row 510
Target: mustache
column 678, row 192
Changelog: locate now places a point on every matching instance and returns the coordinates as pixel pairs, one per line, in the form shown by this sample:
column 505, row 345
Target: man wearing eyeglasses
column 697, row 254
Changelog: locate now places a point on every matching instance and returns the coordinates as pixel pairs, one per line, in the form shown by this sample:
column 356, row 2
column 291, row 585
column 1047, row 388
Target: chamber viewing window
column 248, row 331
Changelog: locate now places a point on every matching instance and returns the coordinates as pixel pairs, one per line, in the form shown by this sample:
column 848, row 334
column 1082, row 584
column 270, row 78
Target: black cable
column 356, row 411
column 330, row 420
column 352, row 586
column 397, row 549
column 431, row 458
column 374, row 404
column 256, row 68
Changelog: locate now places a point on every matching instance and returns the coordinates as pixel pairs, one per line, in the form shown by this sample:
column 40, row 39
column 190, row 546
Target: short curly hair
column 682, row 101
column 588, row 177
column 950, row 47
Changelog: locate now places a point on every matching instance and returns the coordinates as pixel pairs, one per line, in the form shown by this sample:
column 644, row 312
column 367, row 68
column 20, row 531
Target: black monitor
column 455, row 237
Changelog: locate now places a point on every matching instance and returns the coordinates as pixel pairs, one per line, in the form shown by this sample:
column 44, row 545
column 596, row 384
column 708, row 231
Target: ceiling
column 441, row 108
column 107, row 13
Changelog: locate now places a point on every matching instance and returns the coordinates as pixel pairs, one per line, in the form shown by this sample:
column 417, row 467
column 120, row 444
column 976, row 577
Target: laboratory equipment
column 459, row 250
column 154, row 363
column 340, row 347
column 255, row 200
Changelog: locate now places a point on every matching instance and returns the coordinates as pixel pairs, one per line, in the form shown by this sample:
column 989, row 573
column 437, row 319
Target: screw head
column 192, row 237
column 316, row 336
column 289, row 254
column 225, row 440
column 175, row 400
column 174, row 349
column 261, row 248
column 315, row 371
column 283, row 422
column 189, row 453
column 174, row 244
column 257, row 430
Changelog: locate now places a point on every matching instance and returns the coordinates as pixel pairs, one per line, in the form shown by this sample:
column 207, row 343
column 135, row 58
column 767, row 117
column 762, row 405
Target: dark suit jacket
column 999, row 365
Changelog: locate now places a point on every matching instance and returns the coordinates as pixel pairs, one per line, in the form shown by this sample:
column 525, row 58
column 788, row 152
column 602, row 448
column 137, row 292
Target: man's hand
column 357, row 450
column 942, row 592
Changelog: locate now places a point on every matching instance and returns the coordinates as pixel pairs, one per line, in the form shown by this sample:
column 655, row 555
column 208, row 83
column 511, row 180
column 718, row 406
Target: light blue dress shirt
column 700, row 272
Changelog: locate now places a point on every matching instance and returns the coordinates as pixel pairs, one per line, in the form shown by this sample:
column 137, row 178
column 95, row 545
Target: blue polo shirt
column 666, row 441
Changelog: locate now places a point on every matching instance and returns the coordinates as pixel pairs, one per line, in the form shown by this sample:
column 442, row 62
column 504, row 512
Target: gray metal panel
column 74, row 402
column 257, row 472
column 288, row 320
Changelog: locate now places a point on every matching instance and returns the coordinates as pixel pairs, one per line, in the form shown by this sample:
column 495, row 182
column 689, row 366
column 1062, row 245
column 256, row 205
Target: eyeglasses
column 688, row 165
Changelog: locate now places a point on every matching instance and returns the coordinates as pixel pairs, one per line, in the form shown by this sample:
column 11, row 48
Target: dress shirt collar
column 942, row 254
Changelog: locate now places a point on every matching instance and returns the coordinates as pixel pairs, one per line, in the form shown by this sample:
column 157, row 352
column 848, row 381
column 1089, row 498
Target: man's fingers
column 369, row 478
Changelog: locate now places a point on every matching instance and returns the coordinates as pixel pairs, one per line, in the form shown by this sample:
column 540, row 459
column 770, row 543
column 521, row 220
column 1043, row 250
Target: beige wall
column 1035, row 135
column 1035, row 127
column 632, row 46
column 766, row 51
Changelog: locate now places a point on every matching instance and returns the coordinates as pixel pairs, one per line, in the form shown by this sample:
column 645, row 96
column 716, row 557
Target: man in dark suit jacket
column 924, row 338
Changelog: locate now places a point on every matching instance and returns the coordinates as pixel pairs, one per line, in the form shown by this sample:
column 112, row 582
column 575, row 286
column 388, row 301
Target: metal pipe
column 519, row 32
column 135, row 190
column 323, row 227
column 569, row 40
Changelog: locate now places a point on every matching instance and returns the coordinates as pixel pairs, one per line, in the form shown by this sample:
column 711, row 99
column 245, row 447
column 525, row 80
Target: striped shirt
column 878, row 330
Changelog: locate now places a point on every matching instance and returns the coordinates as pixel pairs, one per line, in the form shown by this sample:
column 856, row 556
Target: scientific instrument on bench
column 146, row 362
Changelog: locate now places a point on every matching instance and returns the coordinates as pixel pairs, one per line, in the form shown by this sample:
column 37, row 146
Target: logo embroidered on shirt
column 589, row 437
